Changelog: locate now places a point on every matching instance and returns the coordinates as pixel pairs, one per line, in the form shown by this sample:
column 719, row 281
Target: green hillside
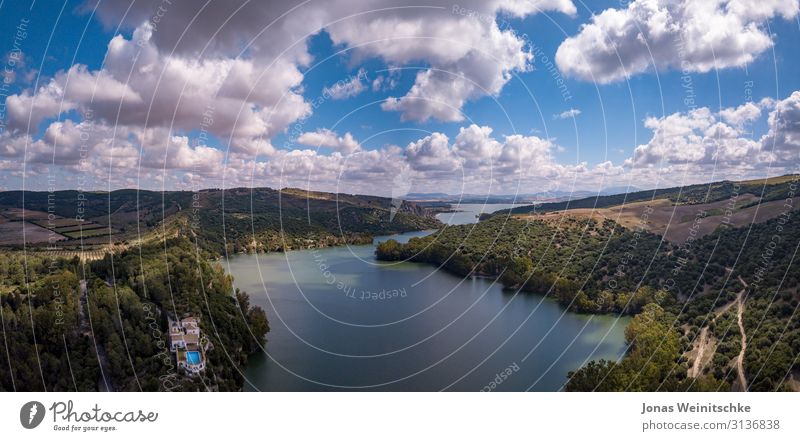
column 677, row 292
column 233, row 220
column 766, row 189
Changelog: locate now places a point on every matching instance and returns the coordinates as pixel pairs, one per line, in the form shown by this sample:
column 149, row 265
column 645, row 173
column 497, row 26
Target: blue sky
column 506, row 87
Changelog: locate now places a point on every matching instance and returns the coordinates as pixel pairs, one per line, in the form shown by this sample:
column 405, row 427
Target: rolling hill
column 678, row 214
column 238, row 219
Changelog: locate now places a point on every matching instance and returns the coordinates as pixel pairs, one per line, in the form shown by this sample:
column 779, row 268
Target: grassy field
column 14, row 213
column 770, row 181
column 11, row 233
column 677, row 223
column 59, row 222
column 85, row 226
column 769, row 189
column 96, row 232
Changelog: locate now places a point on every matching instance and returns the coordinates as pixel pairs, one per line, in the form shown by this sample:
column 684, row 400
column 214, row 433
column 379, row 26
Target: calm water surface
column 469, row 213
column 340, row 320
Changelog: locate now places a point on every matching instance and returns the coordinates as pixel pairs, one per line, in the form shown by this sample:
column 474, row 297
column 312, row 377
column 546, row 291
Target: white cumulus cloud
column 571, row 113
column 327, row 138
column 690, row 35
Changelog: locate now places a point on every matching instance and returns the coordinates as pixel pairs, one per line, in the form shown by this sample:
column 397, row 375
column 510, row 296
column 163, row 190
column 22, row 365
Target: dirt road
column 740, row 314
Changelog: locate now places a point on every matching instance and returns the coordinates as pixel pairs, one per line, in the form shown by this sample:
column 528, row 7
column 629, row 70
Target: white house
column 184, row 336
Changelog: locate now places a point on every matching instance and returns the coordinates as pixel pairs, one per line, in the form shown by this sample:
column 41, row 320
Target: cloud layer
column 688, row 35
column 196, row 95
column 233, row 70
column 722, row 141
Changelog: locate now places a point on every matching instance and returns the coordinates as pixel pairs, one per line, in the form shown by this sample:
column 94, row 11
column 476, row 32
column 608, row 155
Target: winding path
column 740, row 358
column 702, row 339
column 104, row 383
column 697, row 366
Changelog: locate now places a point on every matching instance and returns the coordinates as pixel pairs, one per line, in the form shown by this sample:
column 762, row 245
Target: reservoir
column 341, row 320
column 468, row 213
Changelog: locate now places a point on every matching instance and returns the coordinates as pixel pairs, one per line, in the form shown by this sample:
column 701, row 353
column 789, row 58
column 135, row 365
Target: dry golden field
column 677, row 223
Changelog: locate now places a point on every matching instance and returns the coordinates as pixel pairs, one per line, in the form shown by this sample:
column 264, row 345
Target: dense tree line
column 601, row 267
column 651, row 364
column 42, row 346
column 588, row 266
column 263, row 220
column 115, row 336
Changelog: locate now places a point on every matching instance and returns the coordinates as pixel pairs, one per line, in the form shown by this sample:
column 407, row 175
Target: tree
column 596, row 376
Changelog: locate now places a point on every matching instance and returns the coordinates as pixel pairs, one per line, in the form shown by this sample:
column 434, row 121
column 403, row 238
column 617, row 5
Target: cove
column 341, row 320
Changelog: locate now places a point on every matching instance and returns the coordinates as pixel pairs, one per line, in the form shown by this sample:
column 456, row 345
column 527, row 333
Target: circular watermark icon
column 31, row 414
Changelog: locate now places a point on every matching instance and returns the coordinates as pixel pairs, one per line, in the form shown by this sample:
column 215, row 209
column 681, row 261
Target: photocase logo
column 31, row 414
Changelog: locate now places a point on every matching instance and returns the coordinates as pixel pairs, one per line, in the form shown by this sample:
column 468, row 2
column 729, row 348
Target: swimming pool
column 193, row 357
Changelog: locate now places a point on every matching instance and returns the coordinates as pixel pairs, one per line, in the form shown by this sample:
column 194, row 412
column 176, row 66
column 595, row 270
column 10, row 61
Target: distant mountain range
column 521, row 198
